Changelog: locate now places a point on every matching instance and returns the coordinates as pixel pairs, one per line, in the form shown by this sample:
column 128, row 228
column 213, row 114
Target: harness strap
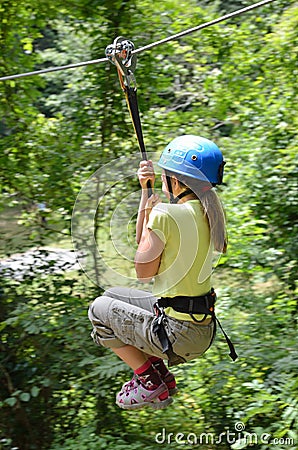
column 203, row 304
column 233, row 355
column 132, row 102
column 198, row 305
column 121, row 54
column 169, row 185
column 160, row 331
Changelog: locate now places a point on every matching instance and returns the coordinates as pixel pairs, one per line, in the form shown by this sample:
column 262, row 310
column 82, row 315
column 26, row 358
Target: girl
column 175, row 247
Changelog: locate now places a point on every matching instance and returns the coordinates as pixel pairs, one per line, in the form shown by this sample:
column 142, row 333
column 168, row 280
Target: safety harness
column 204, row 304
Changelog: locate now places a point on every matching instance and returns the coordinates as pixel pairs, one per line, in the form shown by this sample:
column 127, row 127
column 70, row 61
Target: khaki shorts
column 124, row 316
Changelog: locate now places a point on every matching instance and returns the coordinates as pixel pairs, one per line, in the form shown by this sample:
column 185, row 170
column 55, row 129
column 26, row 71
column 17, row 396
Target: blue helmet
column 195, row 157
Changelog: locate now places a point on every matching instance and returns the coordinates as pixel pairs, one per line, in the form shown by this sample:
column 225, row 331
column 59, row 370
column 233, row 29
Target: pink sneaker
column 138, row 397
column 169, row 381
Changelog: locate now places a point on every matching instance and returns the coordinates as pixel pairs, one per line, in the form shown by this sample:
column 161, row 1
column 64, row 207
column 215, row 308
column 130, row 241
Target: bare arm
column 150, row 248
column 145, row 174
column 141, row 215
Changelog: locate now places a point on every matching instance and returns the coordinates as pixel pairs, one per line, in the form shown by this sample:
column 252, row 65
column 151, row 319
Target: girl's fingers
column 146, row 172
column 153, row 200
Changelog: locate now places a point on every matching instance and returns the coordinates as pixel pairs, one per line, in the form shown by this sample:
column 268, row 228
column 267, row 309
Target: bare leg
column 132, row 356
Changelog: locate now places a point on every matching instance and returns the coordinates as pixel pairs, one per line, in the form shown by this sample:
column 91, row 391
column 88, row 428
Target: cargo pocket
column 130, row 327
column 193, row 341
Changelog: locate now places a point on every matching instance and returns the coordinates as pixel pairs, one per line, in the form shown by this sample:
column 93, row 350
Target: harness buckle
column 210, row 300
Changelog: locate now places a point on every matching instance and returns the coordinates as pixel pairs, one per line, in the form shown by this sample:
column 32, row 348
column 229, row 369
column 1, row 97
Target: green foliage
column 234, row 83
column 43, row 332
column 88, row 439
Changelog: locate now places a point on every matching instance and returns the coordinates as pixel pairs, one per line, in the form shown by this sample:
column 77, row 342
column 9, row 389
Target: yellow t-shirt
column 186, row 262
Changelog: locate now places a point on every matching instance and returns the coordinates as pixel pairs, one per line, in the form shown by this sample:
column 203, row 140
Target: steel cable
column 141, row 49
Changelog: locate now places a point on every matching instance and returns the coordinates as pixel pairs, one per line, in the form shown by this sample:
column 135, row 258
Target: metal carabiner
column 120, row 54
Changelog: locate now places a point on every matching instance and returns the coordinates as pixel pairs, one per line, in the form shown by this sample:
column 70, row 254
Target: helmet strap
column 173, row 199
column 170, row 189
column 220, row 173
column 182, row 194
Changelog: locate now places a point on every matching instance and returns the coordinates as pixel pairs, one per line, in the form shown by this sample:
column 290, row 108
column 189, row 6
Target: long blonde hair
column 214, row 211
column 212, row 208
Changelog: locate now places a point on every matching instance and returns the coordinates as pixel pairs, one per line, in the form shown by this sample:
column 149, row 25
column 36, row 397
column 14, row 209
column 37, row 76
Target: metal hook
column 120, row 54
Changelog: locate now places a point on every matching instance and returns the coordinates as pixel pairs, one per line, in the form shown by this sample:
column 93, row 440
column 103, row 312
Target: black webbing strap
column 198, row 305
column 132, row 102
column 203, row 304
column 169, row 185
column 159, row 329
column 121, row 54
column 233, row 355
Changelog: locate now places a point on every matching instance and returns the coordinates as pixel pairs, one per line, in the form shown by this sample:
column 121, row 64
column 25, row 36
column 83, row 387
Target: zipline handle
column 120, row 54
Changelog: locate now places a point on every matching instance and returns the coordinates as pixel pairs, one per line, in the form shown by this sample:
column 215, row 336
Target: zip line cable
column 202, row 26
column 146, row 47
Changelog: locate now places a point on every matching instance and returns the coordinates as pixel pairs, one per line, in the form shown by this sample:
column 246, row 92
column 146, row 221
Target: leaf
column 11, row 401
column 241, row 443
column 25, row 397
column 35, row 391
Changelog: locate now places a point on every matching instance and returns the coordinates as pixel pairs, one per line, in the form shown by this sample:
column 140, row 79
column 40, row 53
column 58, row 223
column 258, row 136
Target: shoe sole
column 154, row 405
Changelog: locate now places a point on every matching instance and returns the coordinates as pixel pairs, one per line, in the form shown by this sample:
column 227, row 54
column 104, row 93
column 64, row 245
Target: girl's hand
column 146, row 173
column 152, row 201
